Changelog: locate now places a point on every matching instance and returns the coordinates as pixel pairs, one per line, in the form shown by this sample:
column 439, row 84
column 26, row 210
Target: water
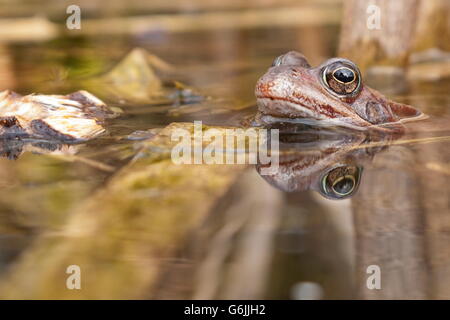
column 140, row 228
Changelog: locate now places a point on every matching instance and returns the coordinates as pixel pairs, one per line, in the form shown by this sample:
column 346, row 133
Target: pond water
column 303, row 232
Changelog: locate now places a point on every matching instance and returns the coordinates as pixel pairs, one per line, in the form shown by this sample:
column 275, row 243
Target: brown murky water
column 220, row 234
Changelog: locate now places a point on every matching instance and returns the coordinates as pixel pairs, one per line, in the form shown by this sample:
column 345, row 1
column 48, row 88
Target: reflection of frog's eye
column 341, row 78
column 344, row 185
column 340, row 182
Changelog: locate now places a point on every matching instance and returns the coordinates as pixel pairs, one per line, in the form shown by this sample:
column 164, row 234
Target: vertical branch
column 388, row 42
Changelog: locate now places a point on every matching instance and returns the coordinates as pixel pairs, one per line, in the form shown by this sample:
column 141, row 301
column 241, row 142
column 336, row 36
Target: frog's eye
column 342, row 78
column 341, row 182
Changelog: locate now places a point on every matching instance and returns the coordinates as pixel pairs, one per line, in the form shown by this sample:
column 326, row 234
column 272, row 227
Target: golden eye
column 341, row 78
column 340, row 182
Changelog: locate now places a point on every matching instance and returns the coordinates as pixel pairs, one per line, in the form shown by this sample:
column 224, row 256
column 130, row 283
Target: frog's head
column 333, row 91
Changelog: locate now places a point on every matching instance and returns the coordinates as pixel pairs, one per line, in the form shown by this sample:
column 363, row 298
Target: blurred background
column 180, row 32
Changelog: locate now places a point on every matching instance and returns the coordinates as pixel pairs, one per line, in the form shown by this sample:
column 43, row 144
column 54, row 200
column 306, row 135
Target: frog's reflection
column 14, row 148
column 327, row 160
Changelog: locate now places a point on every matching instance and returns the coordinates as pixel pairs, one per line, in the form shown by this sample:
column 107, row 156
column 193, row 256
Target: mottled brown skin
column 292, row 89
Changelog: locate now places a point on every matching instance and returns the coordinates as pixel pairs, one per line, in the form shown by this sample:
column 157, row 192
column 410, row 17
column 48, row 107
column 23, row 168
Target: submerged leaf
column 137, row 79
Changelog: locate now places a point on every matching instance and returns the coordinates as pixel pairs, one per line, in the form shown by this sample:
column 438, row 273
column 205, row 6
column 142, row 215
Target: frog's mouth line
column 323, row 113
column 319, row 111
column 304, row 113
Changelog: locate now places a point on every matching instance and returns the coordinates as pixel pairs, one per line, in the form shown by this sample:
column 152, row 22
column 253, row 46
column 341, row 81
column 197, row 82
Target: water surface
column 261, row 237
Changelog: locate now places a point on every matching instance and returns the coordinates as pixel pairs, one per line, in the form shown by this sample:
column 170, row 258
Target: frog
column 332, row 93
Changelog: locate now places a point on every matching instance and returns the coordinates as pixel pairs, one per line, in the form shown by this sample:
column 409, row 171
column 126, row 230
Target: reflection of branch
column 90, row 162
column 208, row 275
column 249, row 274
column 253, row 219
column 401, row 142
